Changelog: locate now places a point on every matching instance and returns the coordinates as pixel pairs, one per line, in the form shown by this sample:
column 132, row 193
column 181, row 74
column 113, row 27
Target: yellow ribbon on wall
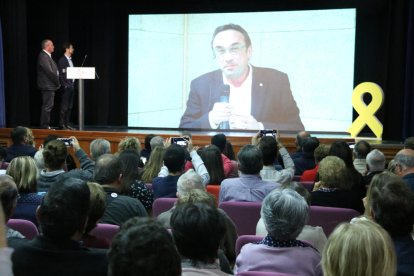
column 367, row 112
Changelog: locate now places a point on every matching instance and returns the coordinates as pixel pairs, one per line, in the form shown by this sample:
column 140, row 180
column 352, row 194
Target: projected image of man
column 239, row 95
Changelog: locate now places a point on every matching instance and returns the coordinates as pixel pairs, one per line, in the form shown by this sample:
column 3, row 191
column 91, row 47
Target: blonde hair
column 131, row 143
column 24, row 171
column 153, row 167
column 332, row 171
column 362, row 248
column 97, row 205
column 197, row 196
column 30, row 137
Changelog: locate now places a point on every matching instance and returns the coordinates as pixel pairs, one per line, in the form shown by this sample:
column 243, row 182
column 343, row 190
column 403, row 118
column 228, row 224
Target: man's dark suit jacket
column 63, row 64
column 272, row 100
column 47, row 73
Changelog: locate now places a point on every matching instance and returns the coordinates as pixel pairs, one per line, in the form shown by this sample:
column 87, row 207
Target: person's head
column 375, row 161
column 211, row 157
column 342, row 150
column 250, row 159
column 219, row 140
column 24, row 171
column 8, row 195
column 97, row 205
column 188, row 181
column 229, row 151
column 54, row 155
column 19, row 135
column 48, row 46
column 361, row 149
column 30, row 137
column 197, row 230
column 131, row 142
column 130, row 162
column 390, row 203
column 409, row 143
column 156, row 141
column 300, row 189
column 68, row 48
column 99, row 147
column 154, row 164
column 391, row 166
column 232, row 49
column 143, row 246
column 174, row 158
column 310, row 144
column 321, row 152
column 332, row 171
column 359, row 249
column 108, row 169
column 299, row 139
column 404, row 162
column 63, row 213
column 197, row 195
column 147, row 141
column 268, row 146
column 284, row 213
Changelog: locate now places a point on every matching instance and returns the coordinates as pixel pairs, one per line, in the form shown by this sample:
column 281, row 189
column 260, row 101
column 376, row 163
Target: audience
column 99, row 147
column 404, row 161
column 54, row 155
column 391, row 166
column 284, row 213
column 131, row 143
column 390, row 203
column 270, row 148
column 119, row 207
column 375, row 165
column 154, row 164
column 220, row 141
column 24, row 171
column 312, row 234
column 146, row 151
column 197, row 230
column 212, row 158
column 361, row 150
column 328, row 191
column 63, row 215
column 156, row 141
column 8, row 197
column 143, row 247
column 306, row 160
column 300, row 137
column 20, row 147
column 361, row 248
column 320, row 153
column 249, row 186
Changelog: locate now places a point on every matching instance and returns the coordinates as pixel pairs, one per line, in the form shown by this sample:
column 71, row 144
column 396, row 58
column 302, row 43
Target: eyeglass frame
column 234, row 50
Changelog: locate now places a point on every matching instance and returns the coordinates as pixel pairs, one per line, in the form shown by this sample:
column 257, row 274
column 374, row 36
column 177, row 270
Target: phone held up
column 68, row 141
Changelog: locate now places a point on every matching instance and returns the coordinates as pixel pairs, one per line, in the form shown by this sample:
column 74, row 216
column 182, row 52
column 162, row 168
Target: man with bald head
column 405, row 166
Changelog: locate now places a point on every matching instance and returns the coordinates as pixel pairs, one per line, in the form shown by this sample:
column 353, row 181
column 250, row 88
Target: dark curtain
column 408, row 125
column 2, row 103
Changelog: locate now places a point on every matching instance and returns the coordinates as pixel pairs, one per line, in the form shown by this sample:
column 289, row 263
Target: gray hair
column 376, row 161
column 189, row 181
column 284, row 213
column 157, row 141
column 405, row 160
column 99, row 147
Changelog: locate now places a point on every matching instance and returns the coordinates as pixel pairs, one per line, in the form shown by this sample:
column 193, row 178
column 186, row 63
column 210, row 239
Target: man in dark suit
column 47, row 80
column 259, row 97
column 67, row 86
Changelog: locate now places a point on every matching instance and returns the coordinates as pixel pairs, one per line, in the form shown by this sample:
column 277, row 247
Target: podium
column 80, row 74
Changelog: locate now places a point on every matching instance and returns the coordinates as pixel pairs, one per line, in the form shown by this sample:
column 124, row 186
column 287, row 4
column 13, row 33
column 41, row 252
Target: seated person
column 306, row 160
column 390, row 203
column 197, row 230
column 24, row 171
column 312, row 234
column 62, row 215
column 146, row 151
column 143, row 247
column 153, row 165
column 360, row 152
column 165, row 185
column 329, row 190
column 284, row 213
column 360, row 248
column 20, row 146
column 404, row 160
column 99, row 147
column 213, row 161
column 249, row 186
column 119, row 207
column 375, row 165
column 320, row 153
column 219, row 140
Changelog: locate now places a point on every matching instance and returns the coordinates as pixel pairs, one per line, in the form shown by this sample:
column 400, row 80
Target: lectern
column 80, row 74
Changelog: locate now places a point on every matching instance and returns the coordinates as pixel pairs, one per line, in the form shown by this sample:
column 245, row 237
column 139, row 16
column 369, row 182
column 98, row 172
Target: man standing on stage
column 47, row 81
column 67, row 86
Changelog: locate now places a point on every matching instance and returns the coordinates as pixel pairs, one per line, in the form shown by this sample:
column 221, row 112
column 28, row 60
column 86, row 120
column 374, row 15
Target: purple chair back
column 245, row 215
column 308, row 185
column 242, row 240
column 161, row 205
column 149, row 186
column 25, row 227
column 105, row 231
column 329, row 217
column 263, row 273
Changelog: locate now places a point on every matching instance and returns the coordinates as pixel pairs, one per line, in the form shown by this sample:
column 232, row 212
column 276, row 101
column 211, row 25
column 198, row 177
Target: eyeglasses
column 233, row 50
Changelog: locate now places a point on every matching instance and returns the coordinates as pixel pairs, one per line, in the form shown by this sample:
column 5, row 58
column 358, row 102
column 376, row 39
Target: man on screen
column 239, row 94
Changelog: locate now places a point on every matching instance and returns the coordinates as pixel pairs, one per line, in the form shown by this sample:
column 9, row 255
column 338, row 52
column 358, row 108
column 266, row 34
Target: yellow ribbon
column 367, row 112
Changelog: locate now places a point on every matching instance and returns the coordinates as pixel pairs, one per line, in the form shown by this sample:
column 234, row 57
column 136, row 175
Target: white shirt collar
column 49, row 54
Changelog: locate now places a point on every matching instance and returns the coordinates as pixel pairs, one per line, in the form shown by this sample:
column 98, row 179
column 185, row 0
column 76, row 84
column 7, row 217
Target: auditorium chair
column 161, row 205
column 25, row 227
column 214, row 190
column 245, row 215
column 329, row 217
column 106, row 231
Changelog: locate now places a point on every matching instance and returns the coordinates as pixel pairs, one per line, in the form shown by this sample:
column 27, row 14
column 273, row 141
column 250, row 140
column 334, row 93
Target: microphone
column 224, row 98
column 84, row 60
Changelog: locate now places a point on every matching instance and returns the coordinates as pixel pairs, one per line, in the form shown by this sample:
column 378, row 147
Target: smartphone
column 179, row 141
column 268, row 132
column 67, row 141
